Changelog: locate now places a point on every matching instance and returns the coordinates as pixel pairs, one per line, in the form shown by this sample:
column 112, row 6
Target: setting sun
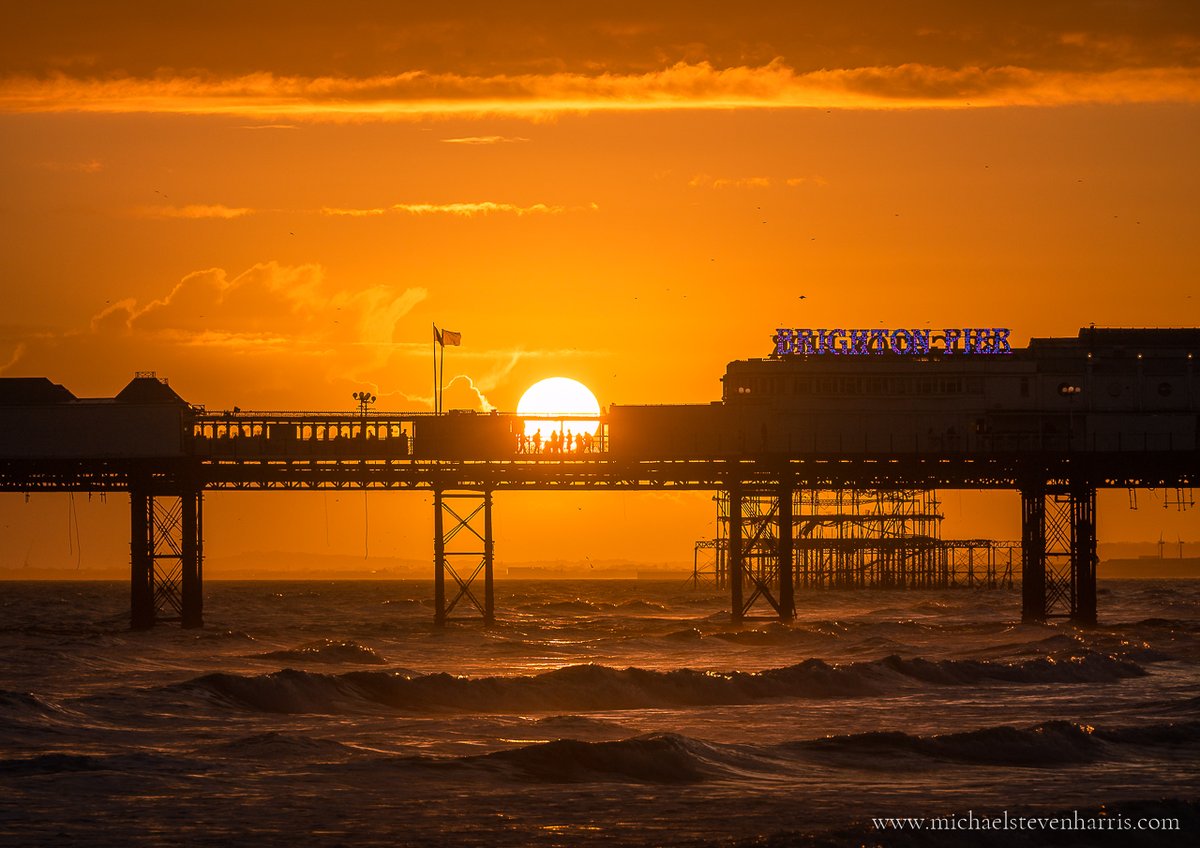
column 559, row 396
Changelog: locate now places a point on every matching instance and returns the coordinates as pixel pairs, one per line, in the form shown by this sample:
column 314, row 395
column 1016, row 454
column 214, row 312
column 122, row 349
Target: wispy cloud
column 707, row 181
column 461, row 209
column 462, row 392
column 268, row 305
column 355, row 213
column 793, row 182
column 465, row 210
column 192, row 211
column 684, row 85
column 486, row 139
column 15, row 357
column 89, row 166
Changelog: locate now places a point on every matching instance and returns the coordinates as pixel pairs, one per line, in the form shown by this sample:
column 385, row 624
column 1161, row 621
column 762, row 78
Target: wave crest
column 596, row 687
column 327, row 651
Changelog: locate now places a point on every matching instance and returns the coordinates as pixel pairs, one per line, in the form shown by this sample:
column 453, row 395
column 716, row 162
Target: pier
column 1054, row 450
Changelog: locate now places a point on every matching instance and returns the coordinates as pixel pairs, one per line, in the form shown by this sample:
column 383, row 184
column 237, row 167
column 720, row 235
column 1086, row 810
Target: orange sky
column 270, row 207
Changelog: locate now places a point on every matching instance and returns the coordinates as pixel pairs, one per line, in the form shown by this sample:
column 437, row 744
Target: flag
column 449, row 337
column 437, row 336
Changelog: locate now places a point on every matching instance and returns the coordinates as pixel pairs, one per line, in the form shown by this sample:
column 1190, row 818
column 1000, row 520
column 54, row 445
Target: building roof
column 1173, row 337
column 148, row 389
column 32, row 391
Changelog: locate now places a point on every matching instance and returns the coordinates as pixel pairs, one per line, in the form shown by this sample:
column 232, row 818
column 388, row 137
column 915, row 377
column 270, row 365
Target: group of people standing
column 556, row 443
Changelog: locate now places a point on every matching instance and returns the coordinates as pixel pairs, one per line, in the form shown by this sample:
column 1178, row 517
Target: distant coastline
column 1149, row 567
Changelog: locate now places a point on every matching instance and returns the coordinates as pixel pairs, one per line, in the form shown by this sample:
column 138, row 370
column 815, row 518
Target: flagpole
column 442, row 382
column 435, row 377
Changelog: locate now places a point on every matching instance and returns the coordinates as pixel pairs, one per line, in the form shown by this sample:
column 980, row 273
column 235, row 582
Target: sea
column 623, row 713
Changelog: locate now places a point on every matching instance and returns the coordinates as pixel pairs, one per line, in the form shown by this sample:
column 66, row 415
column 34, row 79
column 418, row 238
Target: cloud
column 793, row 182
column 709, row 181
column 90, row 166
column 14, row 357
column 684, row 85
column 115, row 318
column 272, row 336
column 706, row 181
column 195, row 211
column 267, row 306
column 485, row 139
column 464, row 210
column 463, row 393
column 380, row 309
column 470, row 209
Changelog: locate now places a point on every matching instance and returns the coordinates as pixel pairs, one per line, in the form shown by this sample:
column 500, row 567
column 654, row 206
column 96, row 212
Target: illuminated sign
column 968, row 340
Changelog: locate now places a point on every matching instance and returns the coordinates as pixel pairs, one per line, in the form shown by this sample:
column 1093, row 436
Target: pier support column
column 787, row 595
column 1033, row 555
column 1058, row 547
column 756, row 552
column 141, row 560
column 464, row 550
column 1083, row 556
column 166, row 555
column 192, row 565
column 736, row 605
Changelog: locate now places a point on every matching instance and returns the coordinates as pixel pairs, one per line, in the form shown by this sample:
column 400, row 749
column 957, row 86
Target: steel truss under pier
column 851, row 538
column 1058, row 542
column 984, row 563
column 838, row 539
column 1058, row 548
column 166, row 557
column 760, row 546
column 969, row 562
column 463, row 549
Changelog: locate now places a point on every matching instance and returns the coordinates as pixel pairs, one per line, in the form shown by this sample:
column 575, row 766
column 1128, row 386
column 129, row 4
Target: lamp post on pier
column 365, row 399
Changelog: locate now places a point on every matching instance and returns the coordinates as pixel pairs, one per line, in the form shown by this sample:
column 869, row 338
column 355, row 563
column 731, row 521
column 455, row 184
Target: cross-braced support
column 761, row 552
column 166, row 558
column 1058, row 541
column 464, row 550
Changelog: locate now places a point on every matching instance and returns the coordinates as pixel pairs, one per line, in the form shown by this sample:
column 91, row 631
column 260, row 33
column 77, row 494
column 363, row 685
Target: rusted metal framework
column 874, row 537
column 986, row 563
column 1058, row 540
column 845, row 538
column 709, row 564
column 166, row 557
column 463, row 551
column 760, row 549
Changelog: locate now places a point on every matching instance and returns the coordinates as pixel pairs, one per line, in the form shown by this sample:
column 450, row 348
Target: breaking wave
column 656, row 758
column 327, row 651
column 1052, row 743
column 274, row 745
column 671, row 758
column 596, row 687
